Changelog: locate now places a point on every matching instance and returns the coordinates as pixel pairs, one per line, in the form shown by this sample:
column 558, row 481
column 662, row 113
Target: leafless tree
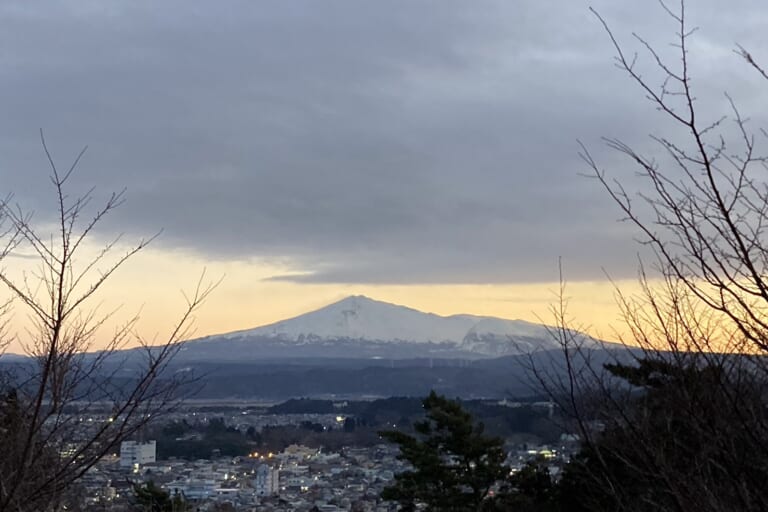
column 72, row 366
column 684, row 425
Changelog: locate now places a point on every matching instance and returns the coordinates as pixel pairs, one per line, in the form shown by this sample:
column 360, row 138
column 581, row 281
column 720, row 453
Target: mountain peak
column 358, row 299
column 361, row 318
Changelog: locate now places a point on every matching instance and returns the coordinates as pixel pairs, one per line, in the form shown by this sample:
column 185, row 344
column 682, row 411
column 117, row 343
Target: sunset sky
column 418, row 152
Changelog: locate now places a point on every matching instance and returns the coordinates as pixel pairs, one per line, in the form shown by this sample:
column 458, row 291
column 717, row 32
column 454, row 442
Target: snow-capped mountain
column 358, row 326
column 358, row 317
column 496, row 336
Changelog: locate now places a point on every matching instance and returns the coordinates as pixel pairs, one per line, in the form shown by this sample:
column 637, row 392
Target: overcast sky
column 351, row 141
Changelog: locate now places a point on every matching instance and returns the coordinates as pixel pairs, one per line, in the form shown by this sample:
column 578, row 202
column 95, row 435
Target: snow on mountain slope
column 359, row 317
column 497, row 336
column 498, row 326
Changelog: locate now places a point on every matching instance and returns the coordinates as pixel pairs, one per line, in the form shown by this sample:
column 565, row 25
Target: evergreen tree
column 692, row 437
column 454, row 464
column 14, row 431
column 151, row 498
column 531, row 489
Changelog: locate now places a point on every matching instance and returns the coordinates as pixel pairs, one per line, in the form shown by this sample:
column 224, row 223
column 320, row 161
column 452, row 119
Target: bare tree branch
column 72, row 364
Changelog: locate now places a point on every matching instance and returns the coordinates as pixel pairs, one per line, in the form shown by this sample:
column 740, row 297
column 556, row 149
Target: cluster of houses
column 299, row 479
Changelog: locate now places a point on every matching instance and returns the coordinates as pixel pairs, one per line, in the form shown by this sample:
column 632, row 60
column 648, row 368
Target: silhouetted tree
column 679, row 444
column 72, row 363
column 454, row 464
column 151, row 498
column 677, row 421
column 531, row 489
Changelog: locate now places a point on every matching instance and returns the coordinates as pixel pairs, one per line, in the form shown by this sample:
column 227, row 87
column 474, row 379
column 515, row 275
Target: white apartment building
column 267, row 481
column 134, row 454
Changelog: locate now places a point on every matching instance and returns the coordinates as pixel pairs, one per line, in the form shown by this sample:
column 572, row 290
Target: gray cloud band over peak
column 356, row 141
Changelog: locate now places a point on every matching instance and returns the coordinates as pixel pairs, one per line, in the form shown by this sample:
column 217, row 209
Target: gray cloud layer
column 361, row 141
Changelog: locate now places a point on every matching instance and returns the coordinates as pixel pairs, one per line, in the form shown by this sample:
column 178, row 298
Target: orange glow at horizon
column 153, row 282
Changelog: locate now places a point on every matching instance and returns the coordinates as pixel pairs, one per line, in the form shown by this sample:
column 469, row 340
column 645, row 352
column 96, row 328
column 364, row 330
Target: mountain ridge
column 358, row 320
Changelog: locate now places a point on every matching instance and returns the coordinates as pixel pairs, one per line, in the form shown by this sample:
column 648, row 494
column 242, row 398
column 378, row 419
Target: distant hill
column 360, row 347
column 360, row 327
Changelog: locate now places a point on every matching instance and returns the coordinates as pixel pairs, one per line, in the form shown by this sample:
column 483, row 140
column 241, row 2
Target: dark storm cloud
column 356, row 141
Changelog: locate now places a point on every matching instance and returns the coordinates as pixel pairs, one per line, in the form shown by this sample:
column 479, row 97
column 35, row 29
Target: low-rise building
column 134, row 454
column 266, row 481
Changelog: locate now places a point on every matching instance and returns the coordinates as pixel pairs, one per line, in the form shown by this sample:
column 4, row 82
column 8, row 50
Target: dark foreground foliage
column 693, row 438
column 456, row 467
column 688, row 436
